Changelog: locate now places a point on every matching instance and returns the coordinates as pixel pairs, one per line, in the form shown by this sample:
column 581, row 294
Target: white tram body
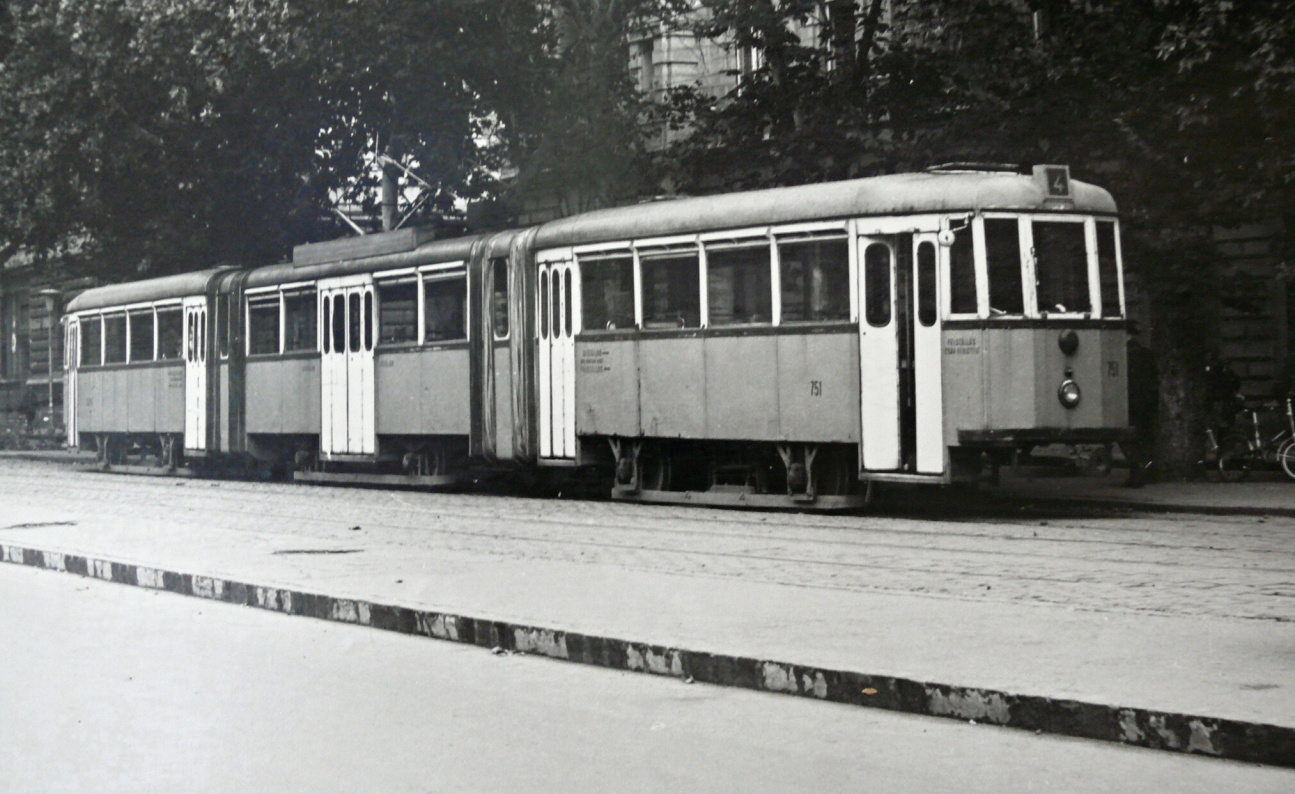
column 783, row 347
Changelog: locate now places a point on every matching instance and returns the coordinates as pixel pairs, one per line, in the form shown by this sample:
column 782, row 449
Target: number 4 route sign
column 1056, row 180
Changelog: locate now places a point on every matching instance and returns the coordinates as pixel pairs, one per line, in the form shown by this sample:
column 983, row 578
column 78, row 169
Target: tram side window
column 263, row 325
column 1061, row 267
column 223, row 325
column 170, row 333
column 339, row 323
column 607, row 289
column 671, row 292
column 926, row 308
column 499, row 296
column 299, row 320
column 368, row 320
column 876, row 275
column 1108, row 269
column 141, row 335
column 353, row 326
column 397, row 312
column 444, row 304
column 91, row 345
column 737, row 285
column 114, row 333
column 815, row 276
column 1003, row 255
column 962, row 274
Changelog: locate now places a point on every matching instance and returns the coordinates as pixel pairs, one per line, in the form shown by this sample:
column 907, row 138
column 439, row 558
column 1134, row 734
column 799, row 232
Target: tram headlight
column 1068, row 393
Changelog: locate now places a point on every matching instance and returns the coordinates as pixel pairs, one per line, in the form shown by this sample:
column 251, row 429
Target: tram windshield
column 1038, row 266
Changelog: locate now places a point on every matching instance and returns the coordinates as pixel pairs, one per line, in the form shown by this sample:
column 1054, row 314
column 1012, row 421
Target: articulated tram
column 781, row 348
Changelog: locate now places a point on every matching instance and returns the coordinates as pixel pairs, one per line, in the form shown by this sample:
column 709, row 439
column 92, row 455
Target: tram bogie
column 779, row 348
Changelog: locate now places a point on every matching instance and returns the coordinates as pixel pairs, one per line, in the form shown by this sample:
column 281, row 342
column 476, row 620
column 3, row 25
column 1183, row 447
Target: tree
column 585, row 142
column 1182, row 108
column 147, row 137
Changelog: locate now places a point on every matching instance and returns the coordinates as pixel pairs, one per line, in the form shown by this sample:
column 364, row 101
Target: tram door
column 71, row 359
column 195, row 373
column 902, row 402
column 557, row 316
column 346, row 322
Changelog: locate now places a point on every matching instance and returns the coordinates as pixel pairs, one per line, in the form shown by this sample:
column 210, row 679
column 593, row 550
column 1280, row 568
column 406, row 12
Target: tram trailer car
column 782, row 348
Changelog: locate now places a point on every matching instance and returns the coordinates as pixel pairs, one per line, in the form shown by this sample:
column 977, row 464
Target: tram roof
column 896, row 194
column 455, row 249
column 152, row 289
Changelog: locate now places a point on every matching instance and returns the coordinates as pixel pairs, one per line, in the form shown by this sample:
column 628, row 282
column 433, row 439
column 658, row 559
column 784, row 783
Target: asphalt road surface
column 107, row 688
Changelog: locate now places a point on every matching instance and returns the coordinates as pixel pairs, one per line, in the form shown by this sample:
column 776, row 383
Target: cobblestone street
column 1223, row 566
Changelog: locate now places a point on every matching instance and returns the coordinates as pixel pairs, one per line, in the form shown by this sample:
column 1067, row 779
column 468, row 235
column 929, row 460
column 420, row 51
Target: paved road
column 106, row 688
column 1234, row 567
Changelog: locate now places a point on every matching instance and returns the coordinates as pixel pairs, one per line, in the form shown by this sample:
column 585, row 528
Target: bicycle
column 1238, row 454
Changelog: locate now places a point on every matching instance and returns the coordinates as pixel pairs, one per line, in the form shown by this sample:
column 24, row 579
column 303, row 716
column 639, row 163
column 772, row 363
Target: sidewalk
column 1262, row 494
column 1199, row 684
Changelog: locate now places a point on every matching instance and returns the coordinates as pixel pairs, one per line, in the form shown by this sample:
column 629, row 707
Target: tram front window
column 1061, row 267
column 1003, row 255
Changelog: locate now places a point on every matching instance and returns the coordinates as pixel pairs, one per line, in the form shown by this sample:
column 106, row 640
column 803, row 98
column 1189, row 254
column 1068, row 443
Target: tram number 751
column 816, row 388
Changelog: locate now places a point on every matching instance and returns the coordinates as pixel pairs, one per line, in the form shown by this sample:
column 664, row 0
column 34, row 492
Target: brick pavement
column 1187, row 614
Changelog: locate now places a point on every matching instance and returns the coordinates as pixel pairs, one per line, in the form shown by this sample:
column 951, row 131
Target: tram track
column 713, row 523
column 580, row 535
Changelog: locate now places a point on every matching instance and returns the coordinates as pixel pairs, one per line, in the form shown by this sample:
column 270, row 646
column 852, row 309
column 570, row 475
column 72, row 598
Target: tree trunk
column 1183, row 329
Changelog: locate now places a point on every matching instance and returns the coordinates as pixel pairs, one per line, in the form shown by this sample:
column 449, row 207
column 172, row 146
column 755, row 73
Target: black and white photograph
column 647, row 395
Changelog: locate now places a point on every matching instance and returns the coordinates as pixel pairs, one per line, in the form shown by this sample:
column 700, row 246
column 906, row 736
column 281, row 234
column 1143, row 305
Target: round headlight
column 1068, row 393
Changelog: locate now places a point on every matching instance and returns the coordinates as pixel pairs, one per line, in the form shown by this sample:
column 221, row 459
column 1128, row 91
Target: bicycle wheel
column 1234, row 459
column 1286, row 457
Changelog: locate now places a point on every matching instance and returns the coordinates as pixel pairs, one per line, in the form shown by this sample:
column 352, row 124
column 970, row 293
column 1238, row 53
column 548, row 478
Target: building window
column 738, row 289
column 114, row 333
column 607, row 292
column 641, row 67
column 263, row 325
column 671, row 290
column 444, row 302
column 398, row 311
column 876, row 279
column 141, row 335
column 499, row 296
column 1061, row 267
column 1003, row 255
column 299, row 317
column 815, row 280
column 170, row 333
column 1108, row 269
column 91, row 341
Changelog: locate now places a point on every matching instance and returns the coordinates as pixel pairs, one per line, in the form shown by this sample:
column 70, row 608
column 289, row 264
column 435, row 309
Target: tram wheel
column 654, row 472
column 834, row 475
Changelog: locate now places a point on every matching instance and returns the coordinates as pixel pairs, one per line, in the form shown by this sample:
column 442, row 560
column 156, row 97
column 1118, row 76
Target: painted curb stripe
column 1187, row 733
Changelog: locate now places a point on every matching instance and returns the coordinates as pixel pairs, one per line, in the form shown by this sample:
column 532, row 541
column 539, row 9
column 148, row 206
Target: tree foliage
column 164, row 135
column 587, row 141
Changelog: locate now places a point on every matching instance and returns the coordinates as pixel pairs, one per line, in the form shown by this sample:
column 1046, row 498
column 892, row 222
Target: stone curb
column 1187, row 733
